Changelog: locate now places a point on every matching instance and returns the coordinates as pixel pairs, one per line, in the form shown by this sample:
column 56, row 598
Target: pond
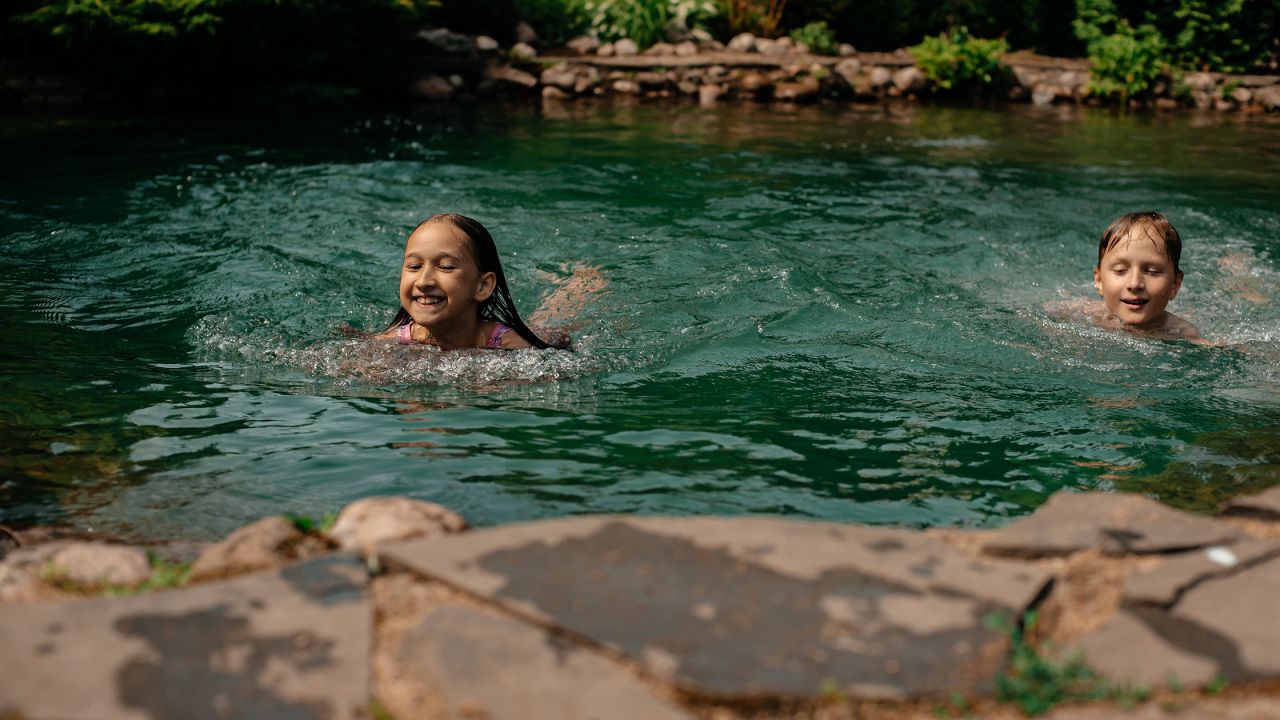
column 829, row 313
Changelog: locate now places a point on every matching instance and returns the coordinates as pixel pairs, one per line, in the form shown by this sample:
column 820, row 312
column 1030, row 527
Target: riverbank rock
column 910, row 80
column 1264, row 505
column 1112, row 523
column 365, row 524
column 447, row 41
column 523, row 51
column 87, row 565
column 582, row 45
column 432, row 88
column 805, row 89
column 268, row 543
column 742, row 42
column 626, row 48
column 486, row 44
column 505, row 76
column 524, row 33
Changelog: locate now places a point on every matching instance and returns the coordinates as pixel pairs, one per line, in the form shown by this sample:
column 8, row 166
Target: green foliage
column 193, row 43
column 959, row 60
column 308, row 524
column 1125, row 62
column 1036, row 684
column 556, row 21
column 818, row 37
column 645, row 21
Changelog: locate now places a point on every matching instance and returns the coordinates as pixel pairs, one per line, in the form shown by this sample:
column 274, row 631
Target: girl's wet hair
column 499, row 307
column 1153, row 225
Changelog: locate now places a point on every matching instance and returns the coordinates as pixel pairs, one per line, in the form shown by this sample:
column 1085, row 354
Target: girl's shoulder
column 502, row 336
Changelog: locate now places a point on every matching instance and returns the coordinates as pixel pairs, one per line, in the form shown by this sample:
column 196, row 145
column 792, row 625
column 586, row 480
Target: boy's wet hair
column 1155, row 226
column 499, row 307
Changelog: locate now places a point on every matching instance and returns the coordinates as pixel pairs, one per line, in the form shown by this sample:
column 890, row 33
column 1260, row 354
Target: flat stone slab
column 1165, row 584
column 477, row 664
column 1113, row 523
column 1224, row 626
column 1265, row 504
column 291, row 643
column 749, row 607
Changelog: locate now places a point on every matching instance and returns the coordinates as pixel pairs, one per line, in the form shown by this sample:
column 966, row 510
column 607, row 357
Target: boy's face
column 1136, row 280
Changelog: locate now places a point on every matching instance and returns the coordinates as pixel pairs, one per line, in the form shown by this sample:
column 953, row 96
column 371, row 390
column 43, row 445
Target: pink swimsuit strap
column 404, row 333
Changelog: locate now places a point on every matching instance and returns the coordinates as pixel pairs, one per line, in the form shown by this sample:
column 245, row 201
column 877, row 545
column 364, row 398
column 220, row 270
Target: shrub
column 645, row 21
column 818, row 37
column 556, row 21
column 760, row 17
column 961, row 61
column 1125, row 62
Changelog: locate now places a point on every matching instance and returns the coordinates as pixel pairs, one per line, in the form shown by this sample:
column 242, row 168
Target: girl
column 454, row 294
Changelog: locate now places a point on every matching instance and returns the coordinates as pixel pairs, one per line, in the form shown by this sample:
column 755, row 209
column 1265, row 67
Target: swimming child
column 1137, row 276
column 454, row 294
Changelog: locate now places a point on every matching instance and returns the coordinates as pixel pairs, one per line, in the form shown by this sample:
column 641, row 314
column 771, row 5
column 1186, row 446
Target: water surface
column 829, row 313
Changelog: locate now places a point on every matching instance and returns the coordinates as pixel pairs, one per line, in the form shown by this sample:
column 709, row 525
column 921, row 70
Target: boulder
column 81, row 563
column 605, row 50
column 526, row 34
column 743, row 42
column 848, row 69
column 551, row 92
column 447, row 41
column 765, row 46
column 1043, row 94
column 686, row 49
column 710, row 45
column 582, row 45
column 1027, row 77
column 268, row 543
column 364, row 524
column 431, row 87
column 560, row 76
column 846, row 50
column 803, row 90
column 523, row 51
column 626, row 87
column 709, row 94
column 879, row 77
column 1242, row 95
column 587, row 80
column 509, row 76
column 1200, row 81
column 486, row 44
column 687, row 87
column 626, row 47
column 910, row 80
column 651, row 80
column 785, row 44
column 1268, row 97
column 660, row 49
column 752, row 83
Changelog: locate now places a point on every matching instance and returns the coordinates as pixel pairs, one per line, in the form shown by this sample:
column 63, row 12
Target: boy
column 1137, row 276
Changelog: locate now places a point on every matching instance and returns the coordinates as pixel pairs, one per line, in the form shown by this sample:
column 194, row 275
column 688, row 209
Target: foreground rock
column 749, row 607
column 291, row 643
column 364, row 524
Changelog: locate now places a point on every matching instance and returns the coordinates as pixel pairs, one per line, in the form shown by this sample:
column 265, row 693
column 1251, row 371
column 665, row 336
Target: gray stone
column 83, row 563
column 686, row 49
column 1200, row 81
column 651, row 80
column 1114, row 523
column 1268, row 97
column 1242, row 95
column 660, row 49
column 626, row 87
column 1164, row 584
column 626, row 47
column 582, row 45
column 743, row 42
column 1224, row 626
column 447, row 41
column 847, row 50
column 1027, row 77
column 481, row 665
column 1044, row 94
column 804, row 90
column 486, row 44
column 503, row 75
column 523, row 51
column 848, row 69
column 742, row 607
column 880, row 77
column 765, row 46
column 753, row 83
column 587, row 80
column 687, row 87
column 265, row 544
column 709, row 94
column 291, row 643
column 431, row 87
column 560, row 76
column 1265, row 504
column 910, row 80
column 525, row 34
column 605, row 50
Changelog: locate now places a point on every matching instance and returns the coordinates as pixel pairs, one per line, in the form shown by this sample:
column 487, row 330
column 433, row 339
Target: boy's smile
column 1137, row 280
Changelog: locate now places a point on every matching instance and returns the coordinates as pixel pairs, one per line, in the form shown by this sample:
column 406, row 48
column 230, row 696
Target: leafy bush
column 1125, row 62
column 645, row 21
column 818, row 37
column 961, row 61
column 556, row 21
column 760, row 17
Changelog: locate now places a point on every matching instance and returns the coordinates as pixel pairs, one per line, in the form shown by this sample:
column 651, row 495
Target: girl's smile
column 441, row 285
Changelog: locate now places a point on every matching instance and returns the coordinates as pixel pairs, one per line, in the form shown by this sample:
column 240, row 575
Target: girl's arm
column 567, row 301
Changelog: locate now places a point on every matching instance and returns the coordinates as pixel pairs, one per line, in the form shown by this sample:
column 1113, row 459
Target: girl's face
column 440, row 282
column 1136, row 280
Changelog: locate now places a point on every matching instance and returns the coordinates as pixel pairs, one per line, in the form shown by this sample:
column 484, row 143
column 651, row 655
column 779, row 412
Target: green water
column 822, row 313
